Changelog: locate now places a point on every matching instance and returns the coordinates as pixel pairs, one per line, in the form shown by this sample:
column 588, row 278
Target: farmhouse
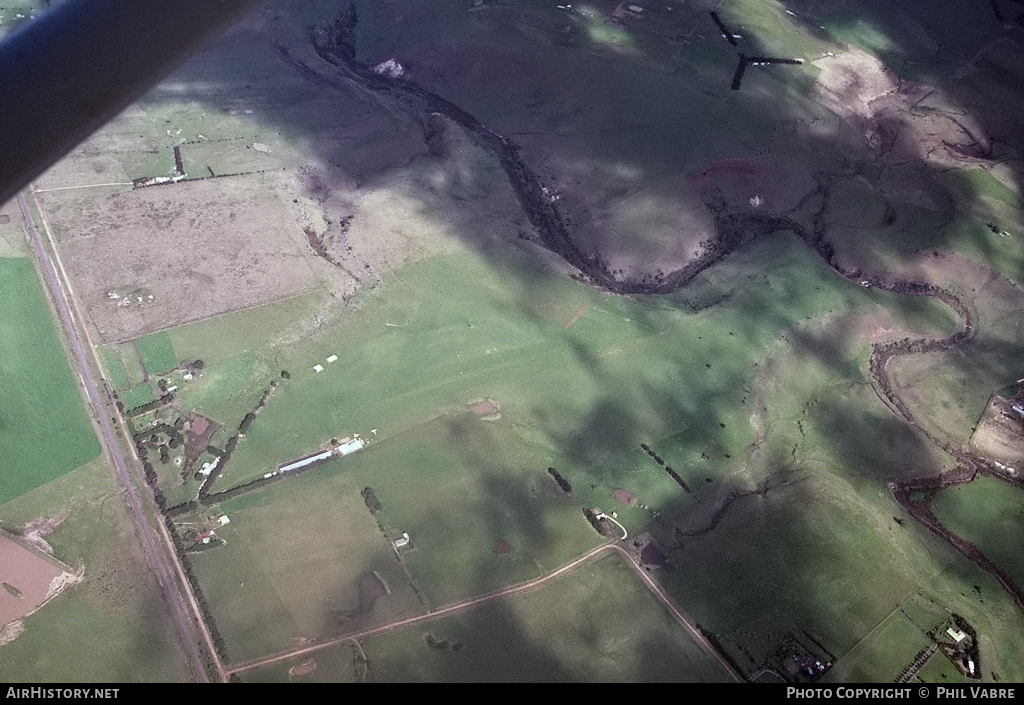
column 209, row 467
column 626, row 12
column 403, row 541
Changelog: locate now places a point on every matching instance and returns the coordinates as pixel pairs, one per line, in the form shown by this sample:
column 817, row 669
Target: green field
column 44, row 431
column 259, row 584
column 131, row 363
column 460, row 485
column 449, row 331
column 116, row 374
column 137, row 396
column 446, row 331
column 110, row 627
column 157, row 353
column 940, row 669
column 884, row 653
column 752, row 382
column 597, row 624
column 990, row 514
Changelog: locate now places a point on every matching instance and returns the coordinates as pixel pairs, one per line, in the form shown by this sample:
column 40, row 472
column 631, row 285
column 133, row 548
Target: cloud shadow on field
column 614, row 137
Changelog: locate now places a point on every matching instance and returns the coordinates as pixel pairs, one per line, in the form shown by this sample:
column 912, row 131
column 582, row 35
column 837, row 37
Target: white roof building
column 302, row 462
column 350, row 447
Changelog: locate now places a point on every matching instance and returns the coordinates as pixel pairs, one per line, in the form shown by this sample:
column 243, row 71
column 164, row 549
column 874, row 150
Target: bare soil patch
column 302, row 669
column 624, row 497
column 486, row 409
column 773, row 184
column 200, row 431
column 903, row 121
column 33, row 580
column 1000, row 432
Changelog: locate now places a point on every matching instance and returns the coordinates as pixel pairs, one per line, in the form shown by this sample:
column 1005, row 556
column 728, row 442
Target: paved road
column 159, row 562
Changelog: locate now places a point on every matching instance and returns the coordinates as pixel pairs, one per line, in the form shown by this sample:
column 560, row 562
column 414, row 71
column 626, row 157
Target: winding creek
column 335, row 44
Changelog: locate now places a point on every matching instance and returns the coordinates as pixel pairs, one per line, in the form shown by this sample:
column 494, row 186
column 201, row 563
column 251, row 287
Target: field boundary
column 692, row 630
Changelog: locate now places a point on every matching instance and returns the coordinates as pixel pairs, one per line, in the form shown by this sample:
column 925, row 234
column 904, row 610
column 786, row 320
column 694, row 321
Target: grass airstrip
column 685, row 377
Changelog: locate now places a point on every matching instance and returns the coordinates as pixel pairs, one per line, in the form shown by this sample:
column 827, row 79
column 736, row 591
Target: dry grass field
column 1000, row 433
column 200, row 248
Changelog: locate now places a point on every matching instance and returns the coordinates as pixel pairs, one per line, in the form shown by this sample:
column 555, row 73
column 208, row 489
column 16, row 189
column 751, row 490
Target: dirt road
column 503, row 593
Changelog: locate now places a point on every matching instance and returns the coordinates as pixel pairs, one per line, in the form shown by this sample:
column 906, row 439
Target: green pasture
column 251, row 331
column 941, row 670
column 116, row 598
column 446, row 331
column 1000, row 252
column 884, row 653
column 965, row 589
column 807, row 555
column 44, row 430
column 227, row 156
column 157, row 353
column 857, row 228
column 949, row 390
column 599, row 623
column 137, row 396
column 767, row 30
column 260, row 585
column 990, row 514
column 131, row 362
column 799, row 535
column 458, row 486
column 116, row 374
